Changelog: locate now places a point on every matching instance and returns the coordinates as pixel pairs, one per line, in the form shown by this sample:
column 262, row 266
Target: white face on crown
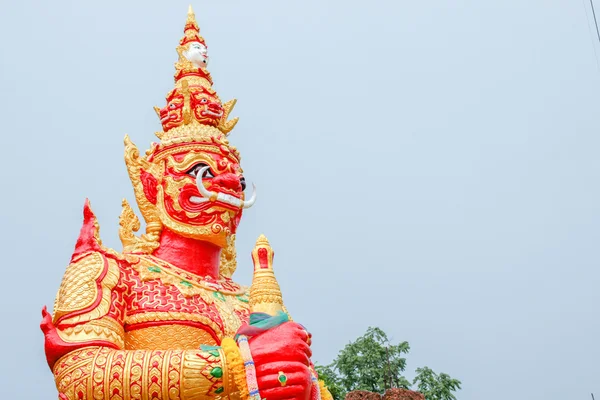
column 197, row 53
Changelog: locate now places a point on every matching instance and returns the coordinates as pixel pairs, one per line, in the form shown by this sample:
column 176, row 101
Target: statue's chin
column 200, row 64
column 213, row 233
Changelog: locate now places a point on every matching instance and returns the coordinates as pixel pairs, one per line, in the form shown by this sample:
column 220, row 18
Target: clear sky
column 428, row 167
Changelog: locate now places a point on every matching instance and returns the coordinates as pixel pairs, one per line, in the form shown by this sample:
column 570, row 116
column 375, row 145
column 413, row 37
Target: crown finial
column 191, row 28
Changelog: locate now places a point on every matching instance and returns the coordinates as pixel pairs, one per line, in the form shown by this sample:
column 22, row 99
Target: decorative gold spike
column 224, row 125
column 265, row 293
column 227, row 107
column 128, row 225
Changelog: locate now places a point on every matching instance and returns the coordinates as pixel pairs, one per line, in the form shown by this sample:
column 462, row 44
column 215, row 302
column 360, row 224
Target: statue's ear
column 149, row 184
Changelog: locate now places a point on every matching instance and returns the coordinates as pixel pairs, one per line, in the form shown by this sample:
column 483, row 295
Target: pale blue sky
column 427, row 167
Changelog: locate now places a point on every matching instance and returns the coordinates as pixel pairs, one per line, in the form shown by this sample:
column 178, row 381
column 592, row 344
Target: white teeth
column 198, row 200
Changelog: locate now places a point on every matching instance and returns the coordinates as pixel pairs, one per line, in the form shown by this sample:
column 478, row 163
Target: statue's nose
column 228, row 181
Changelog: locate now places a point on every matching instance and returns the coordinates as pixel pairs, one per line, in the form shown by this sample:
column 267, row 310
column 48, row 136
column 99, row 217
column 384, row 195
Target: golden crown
column 194, row 112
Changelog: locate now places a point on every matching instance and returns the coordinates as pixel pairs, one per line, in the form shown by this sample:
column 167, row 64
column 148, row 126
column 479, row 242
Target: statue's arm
column 105, row 373
column 85, row 345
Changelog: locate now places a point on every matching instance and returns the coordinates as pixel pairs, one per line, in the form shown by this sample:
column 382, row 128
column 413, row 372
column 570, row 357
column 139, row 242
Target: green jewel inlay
column 154, row 268
column 243, row 299
column 217, row 372
column 282, row 378
column 205, row 347
column 219, row 296
column 186, row 283
column 214, row 353
column 219, row 390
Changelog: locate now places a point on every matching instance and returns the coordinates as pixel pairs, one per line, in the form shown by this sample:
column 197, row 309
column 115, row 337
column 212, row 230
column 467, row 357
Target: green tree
column 372, row 363
column 328, row 375
column 434, row 386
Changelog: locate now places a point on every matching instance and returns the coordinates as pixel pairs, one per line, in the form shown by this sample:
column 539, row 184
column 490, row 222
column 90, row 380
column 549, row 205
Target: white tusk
column 198, row 200
column 203, row 191
column 250, row 203
column 229, row 199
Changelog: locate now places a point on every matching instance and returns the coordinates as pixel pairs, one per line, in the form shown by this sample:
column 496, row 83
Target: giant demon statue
column 162, row 319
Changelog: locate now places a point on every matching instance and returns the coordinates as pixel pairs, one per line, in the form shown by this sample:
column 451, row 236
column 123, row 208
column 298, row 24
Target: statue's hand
column 282, row 358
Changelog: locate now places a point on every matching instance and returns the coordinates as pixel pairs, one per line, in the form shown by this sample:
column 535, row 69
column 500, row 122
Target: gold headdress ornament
column 194, row 112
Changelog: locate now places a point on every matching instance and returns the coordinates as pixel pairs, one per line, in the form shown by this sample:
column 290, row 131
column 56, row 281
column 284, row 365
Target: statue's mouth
column 214, row 111
column 219, row 197
column 168, row 118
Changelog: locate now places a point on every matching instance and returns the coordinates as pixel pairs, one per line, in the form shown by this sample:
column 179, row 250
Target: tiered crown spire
column 191, row 29
column 194, row 112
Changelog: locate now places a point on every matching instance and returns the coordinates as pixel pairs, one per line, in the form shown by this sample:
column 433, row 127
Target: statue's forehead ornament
column 159, row 153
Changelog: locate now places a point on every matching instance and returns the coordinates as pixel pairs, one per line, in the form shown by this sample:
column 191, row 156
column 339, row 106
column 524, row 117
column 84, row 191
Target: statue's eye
column 172, row 106
column 193, row 172
column 203, row 101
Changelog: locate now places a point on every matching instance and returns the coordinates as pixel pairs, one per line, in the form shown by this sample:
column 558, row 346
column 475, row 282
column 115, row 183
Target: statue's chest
column 179, row 309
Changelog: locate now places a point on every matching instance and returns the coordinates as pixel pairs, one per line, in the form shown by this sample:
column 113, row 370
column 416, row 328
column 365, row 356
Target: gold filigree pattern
column 95, row 373
column 134, row 164
column 163, row 316
column 128, row 225
column 208, row 382
column 188, row 284
column 228, row 262
column 167, row 337
column 229, row 303
column 195, row 157
column 109, row 281
column 79, row 289
column 100, row 329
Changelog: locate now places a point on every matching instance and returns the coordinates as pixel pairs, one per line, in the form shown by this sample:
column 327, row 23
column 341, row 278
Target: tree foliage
column 434, row 386
column 372, row 363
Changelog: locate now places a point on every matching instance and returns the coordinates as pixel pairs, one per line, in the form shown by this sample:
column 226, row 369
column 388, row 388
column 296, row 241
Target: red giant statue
column 163, row 319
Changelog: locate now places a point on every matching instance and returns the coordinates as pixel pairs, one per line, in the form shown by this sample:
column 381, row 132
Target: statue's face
column 172, row 114
column 181, row 206
column 207, row 107
column 197, row 53
column 205, row 104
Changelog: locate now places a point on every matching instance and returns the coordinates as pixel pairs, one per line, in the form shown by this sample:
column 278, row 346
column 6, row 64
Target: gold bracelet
column 236, row 366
